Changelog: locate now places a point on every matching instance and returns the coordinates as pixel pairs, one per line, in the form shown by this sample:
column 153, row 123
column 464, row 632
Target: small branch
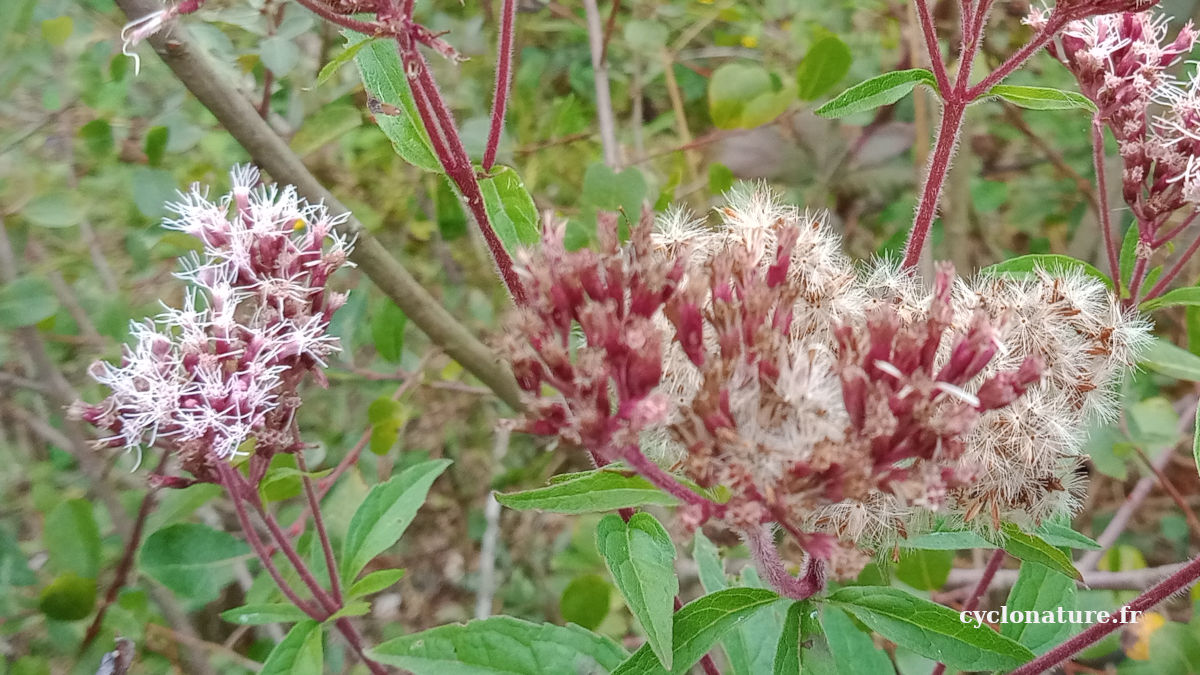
column 935, row 178
column 1175, row 231
column 1092, row 579
column 1054, row 23
column 604, row 109
column 1105, row 211
column 314, row 506
column 1161, row 287
column 504, row 57
column 665, row 481
column 491, row 535
column 1169, row 488
column 929, row 32
column 766, row 557
column 1178, row 581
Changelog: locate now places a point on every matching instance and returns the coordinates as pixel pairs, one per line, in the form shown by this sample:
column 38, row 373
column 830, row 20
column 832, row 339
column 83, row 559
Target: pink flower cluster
column 206, row 378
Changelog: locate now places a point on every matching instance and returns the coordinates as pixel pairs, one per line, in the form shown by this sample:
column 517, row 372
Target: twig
column 1169, row 488
column 604, row 109
column 237, row 115
column 1102, row 206
column 314, row 507
column 491, row 534
column 504, row 55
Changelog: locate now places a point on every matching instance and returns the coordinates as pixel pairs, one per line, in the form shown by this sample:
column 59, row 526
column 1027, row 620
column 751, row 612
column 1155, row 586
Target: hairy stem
column 504, row 57
column 1173, row 584
column 771, row 566
column 314, row 506
column 1110, row 244
column 663, row 480
column 935, row 179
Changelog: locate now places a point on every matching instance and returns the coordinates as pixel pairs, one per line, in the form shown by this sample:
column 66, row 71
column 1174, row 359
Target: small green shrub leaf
column 878, row 91
column 1026, row 264
column 1163, row 357
column 258, row 615
column 589, row 492
column 824, row 65
column 1032, row 548
column 929, row 629
column 1042, row 98
column 641, row 558
column 193, row 560
column 300, row 651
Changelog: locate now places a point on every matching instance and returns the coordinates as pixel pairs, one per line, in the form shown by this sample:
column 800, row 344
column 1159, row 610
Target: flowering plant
column 737, row 373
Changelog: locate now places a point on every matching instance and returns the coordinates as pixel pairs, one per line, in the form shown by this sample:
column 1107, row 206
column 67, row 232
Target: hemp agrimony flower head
column 755, row 357
column 203, row 379
column 1122, row 63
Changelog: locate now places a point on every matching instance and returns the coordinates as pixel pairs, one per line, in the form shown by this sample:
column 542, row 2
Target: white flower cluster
column 222, row 369
column 1020, row 458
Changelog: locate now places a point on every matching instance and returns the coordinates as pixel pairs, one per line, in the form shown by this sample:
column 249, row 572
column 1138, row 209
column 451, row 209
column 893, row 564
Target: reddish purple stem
column 504, row 58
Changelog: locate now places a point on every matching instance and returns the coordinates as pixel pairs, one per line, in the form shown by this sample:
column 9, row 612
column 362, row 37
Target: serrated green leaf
column 72, row 538
column 847, row 649
column 641, row 558
column 1032, row 548
column 585, row 601
column 824, row 65
column 1026, row 264
column 384, row 78
column 589, row 492
column 501, row 645
column 260, row 614
column 345, row 56
column 925, row 569
column 878, row 91
column 374, row 582
column 300, row 651
column 510, row 208
column 1042, row 98
column 697, row 627
column 383, row 516
column 1163, row 357
column 1185, row 297
column 193, row 560
column 787, row 650
column 930, row 629
column 1039, row 589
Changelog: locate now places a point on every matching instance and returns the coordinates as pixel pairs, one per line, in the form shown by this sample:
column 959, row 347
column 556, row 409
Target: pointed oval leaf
column 1031, row 548
column 1057, row 534
column 641, row 558
column 787, row 650
column 824, row 65
column 1042, row 590
column 501, row 645
column 512, row 211
column 1026, row 264
column 929, row 629
column 589, row 492
column 193, row 560
column 260, row 614
column 387, row 511
column 878, row 91
column 697, row 627
column 300, row 651
column 374, row 582
column 1187, row 297
column 385, row 81
column 1163, row 357
column 1042, row 98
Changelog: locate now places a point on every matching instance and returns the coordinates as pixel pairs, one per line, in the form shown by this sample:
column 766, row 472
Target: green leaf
column 345, row 56
column 153, row 188
column 387, row 417
column 750, row 646
column 14, row 568
column 1042, row 98
column 1053, row 263
column 383, row 516
column 501, row 645
column 646, row 36
column 1031, row 548
column 387, row 332
column 260, row 614
column 352, row 608
column 299, row 652
column 325, row 126
column 510, row 208
column 926, row 569
column 720, row 178
column 1039, row 589
column 610, row 191
column 878, row 91
column 708, row 563
column 585, row 601
column 1128, row 256
column 697, row 627
column 589, row 492
column 70, row 597
column 1187, row 297
column 26, row 301
column 930, row 629
column 97, row 135
column 155, row 145
column 1057, row 534
column 1152, row 423
column 57, row 30
column 1196, row 441
column 847, row 649
column 54, row 209
column 1163, row 357
column 279, row 54
column 641, row 557
column 193, row 560
column 746, row 95
column 947, row 541
column 374, row 582
column 385, row 81
column 824, row 65
column 451, row 219
column 787, row 650
column 72, row 538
